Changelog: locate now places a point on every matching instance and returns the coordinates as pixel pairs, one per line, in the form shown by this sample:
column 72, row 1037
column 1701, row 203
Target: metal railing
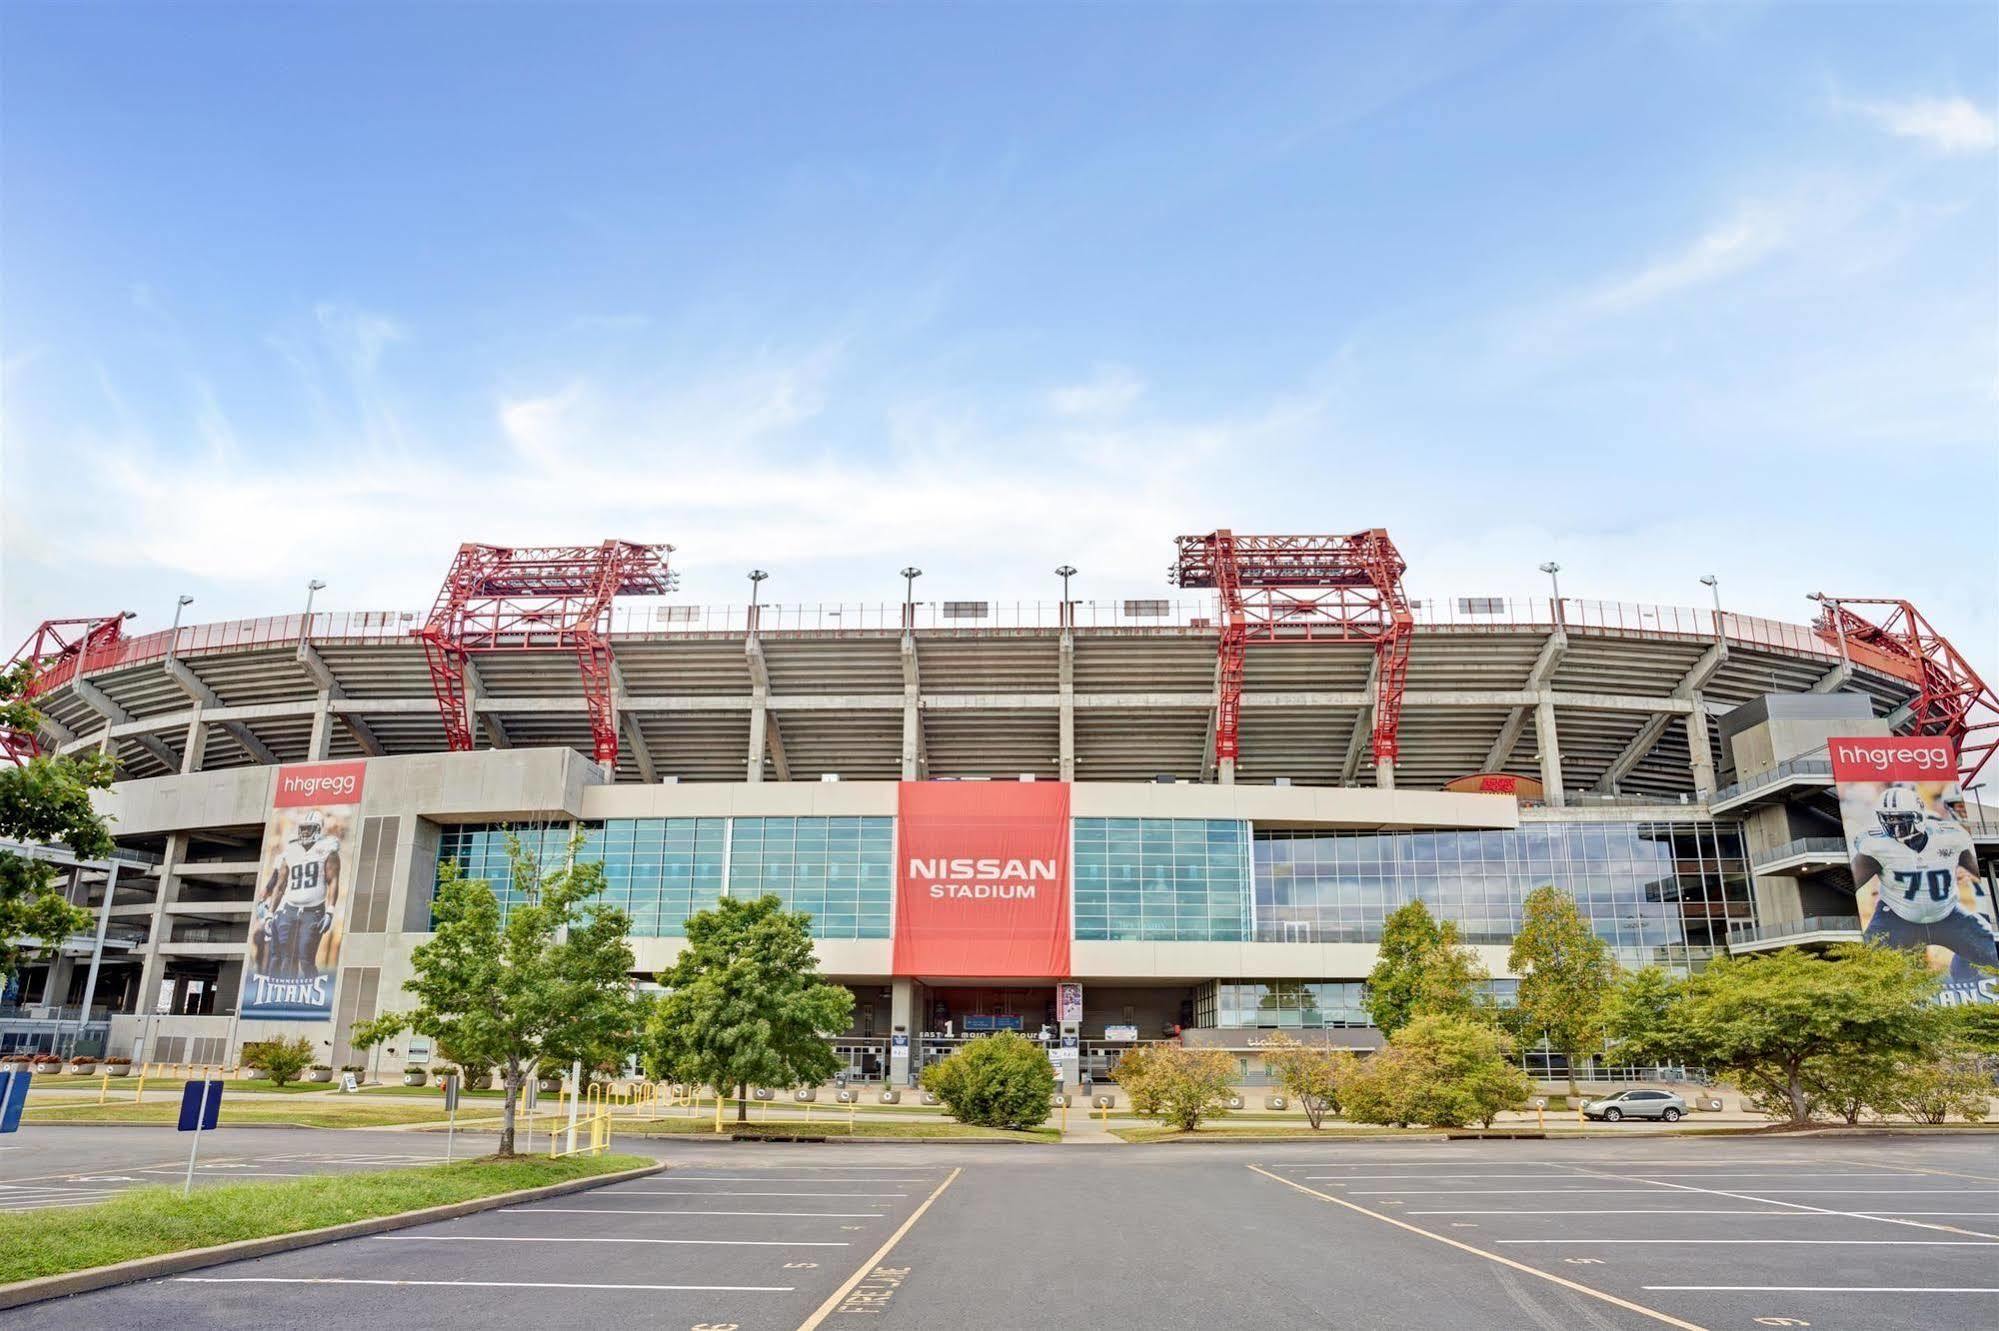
column 651, row 618
column 1809, row 764
column 1814, row 924
column 1832, row 846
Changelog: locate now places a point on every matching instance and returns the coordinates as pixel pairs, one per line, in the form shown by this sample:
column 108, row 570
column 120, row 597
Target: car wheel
column 1671, row 1116
column 1612, row 1115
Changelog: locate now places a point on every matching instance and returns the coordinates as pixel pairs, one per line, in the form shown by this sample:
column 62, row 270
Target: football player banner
column 300, row 910
column 1915, row 873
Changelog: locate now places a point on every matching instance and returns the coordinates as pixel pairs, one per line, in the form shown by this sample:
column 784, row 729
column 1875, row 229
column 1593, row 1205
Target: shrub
column 1177, row 1085
column 120, row 1062
column 1313, row 1075
column 1441, row 1070
column 280, row 1061
column 1938, row 1092
column 1001, row 1081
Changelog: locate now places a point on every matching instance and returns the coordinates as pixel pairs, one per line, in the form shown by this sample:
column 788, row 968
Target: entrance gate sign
column 1915, row 870
column 982, row 879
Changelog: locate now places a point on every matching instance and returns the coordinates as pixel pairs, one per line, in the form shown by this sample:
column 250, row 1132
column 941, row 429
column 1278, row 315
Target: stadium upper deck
column 1125, row 691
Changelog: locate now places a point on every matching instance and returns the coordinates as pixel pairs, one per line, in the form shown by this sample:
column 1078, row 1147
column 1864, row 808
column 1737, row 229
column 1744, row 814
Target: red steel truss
column 1951, row 700
column 536, row 598
column 1288, row 589
column 53, row 654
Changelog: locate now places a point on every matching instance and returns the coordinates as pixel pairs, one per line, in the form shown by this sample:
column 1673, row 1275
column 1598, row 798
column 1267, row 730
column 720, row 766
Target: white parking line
column 1825, row 1243
column 735, row 1192
column 1801, row 1206
column 1649, row 1210
column 620, row 1210
column 558, row 1238
column 475, row 1284
column 1792, row 1192
column 758, row 1178
column 1831, row 1289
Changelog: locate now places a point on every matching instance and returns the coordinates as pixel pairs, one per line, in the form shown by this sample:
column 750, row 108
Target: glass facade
column 480, row 852
column 658, row 870
column 1161, row 879
column 1300, row 1004
column 1656, row 892
column 841, row 871
column 661, row 870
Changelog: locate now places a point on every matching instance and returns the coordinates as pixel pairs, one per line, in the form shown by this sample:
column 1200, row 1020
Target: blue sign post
column 200, row 1108
column 13, row 1098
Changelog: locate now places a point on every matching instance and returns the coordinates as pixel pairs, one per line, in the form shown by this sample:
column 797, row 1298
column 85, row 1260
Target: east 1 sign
column 982, row 879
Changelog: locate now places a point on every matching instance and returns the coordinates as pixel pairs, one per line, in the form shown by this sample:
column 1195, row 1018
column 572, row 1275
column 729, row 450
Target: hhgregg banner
column 982, row 879
column 1914, row 870
column 301, row 904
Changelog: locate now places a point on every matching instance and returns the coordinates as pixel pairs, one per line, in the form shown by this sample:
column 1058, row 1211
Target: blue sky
column 289, row 291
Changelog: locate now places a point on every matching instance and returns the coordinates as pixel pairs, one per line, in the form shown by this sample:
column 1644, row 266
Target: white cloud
column 1754, row 233
column 735, row 464
column 1111, row 391
column 1946, row 124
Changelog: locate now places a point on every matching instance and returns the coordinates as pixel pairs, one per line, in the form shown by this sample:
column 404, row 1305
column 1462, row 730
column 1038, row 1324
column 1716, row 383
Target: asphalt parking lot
column 1874, row 1232
column 53, row 1165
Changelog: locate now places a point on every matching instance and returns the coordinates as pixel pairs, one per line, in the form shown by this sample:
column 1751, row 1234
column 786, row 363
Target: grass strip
column 1245, row 1131
column 305, row 1112
column 146, row 1222
column 830, row 1127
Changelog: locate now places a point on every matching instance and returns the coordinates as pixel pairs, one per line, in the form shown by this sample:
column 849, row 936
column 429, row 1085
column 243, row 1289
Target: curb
column 24, row 1292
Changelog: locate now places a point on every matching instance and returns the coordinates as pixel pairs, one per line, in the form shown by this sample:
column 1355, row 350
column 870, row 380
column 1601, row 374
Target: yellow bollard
column 718, row 1110
column 808, row 1111
column 104, row 1090
column 141, row 1094
column 851, row 1105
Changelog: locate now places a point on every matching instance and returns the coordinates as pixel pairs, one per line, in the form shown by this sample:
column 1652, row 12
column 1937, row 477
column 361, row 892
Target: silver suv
column 1637, row 1104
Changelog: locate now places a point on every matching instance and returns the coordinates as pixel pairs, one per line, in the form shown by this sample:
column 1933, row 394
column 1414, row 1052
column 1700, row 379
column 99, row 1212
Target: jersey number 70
column 1939, row 881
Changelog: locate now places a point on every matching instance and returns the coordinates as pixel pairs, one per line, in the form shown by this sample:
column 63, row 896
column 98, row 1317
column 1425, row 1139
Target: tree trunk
column 510, row 1081
column 1569, row 1060
column 1794, row 1091
column 742, row 1102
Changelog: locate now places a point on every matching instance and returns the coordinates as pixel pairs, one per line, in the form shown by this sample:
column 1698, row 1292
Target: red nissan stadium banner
column 982, row 879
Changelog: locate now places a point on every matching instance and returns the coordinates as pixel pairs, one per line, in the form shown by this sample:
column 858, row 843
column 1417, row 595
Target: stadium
column 1097, row 822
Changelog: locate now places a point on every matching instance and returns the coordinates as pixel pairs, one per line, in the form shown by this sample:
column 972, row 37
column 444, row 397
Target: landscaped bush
column 1177, row 1085
column 1001, row 1081
column 280, row 1061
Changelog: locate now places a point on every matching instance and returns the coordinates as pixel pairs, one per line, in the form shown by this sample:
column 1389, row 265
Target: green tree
column 1566, row 976
column 1767, row 1021
column 281, row 1061
column 549, row 985
column 1442, row 1069
column 745, row 1005
column 43, row 801
column 1001, row 1081
column 1313, row 1075
column 1637, row 1017
column 1177, row 1085
column 1421, row 968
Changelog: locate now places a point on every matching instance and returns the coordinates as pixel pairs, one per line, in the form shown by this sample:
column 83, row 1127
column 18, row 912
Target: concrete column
column 912, row 733
column 1066, row 768
column 759, row 727
column 1700, row 757
column 196, row 747
column 1384, row 775
column 1225, row 772
column 322, row 729
column 1551, row 752
column 154, row 967
column 902, row 1030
